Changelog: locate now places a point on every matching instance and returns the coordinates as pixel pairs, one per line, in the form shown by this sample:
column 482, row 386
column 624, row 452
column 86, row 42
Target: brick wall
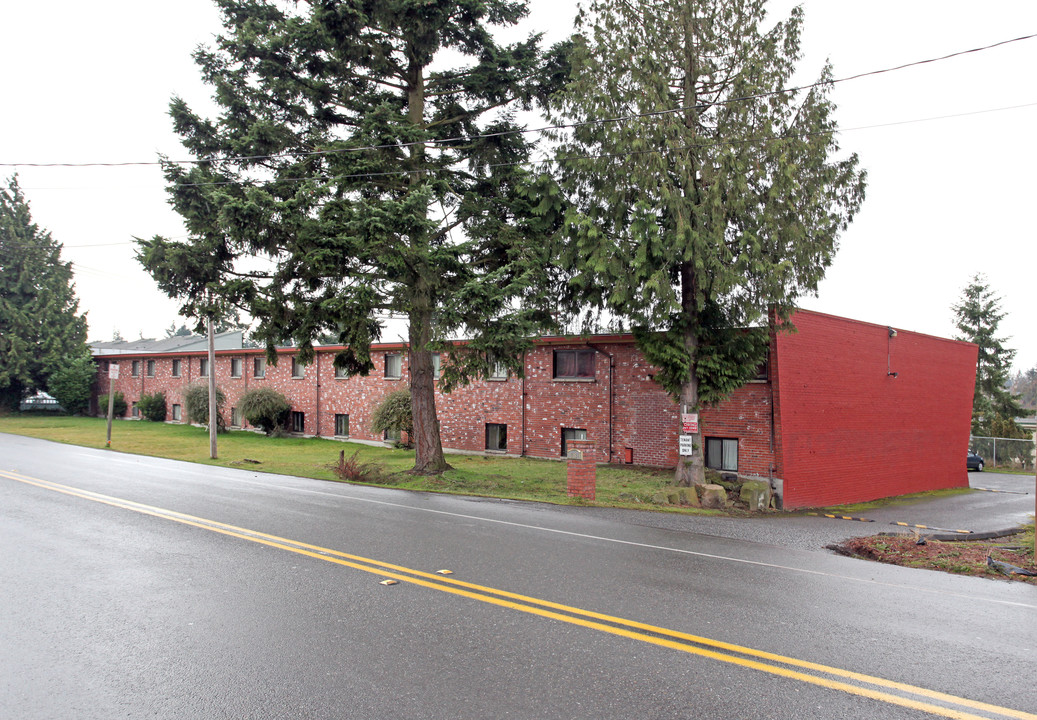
column 851, row 432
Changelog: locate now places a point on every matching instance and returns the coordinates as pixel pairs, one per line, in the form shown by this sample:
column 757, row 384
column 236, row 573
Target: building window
column 496, row 437
column 176, row 368
column 259, row 367
column 393, row 366
column 176, row 413
column 722, row 454
column 235, row 417
column 341, row 373
column 498, row 371
column 341, row 425
column 298, row 369
column 134, row 411
column 203, row 367
column 574, row 364
column 392, row 436
column 235, row 367
column 151, row 368
column 435, row 366
column 135, row 370
column 298, row 421
column 763, row 372
column 570, row 434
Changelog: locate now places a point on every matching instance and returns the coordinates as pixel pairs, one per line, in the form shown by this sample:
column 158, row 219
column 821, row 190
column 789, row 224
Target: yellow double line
column 833, row 678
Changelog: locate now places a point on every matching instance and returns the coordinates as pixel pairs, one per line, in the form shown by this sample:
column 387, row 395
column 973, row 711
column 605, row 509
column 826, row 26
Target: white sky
column 951, row 170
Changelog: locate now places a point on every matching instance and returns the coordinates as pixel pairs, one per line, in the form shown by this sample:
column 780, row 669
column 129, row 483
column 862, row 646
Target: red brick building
column 848, row 411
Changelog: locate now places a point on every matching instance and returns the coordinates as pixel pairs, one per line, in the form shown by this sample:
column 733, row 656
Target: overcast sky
column 949, row 147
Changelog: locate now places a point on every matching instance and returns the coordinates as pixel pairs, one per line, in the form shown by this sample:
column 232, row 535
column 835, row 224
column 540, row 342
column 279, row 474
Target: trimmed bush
column 119, row 408
column 152, row 407
column 393, row 415
column 266, row 409
column 196, row 402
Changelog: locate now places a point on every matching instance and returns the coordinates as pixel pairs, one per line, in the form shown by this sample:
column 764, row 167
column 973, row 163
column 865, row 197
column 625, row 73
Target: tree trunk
column 428, row 447
column 690, row 470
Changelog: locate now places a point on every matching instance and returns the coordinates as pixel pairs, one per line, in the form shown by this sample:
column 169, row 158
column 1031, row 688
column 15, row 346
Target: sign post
column 113, row 374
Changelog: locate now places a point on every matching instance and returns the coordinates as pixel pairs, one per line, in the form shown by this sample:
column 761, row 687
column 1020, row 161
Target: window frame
column 341, row 373
column 135, row 368
column 498, row 371
column 298, row 368
column 203, row 367
column 398, row 357
column 235, row 417
column 149, row 368
column 437, row 365
column 259, row 367
column 177, row 412
column 175, row 372
column 236, row 367
column 338, row 418
column 495, row 434
column 575, row 436
column 725, row 444
column 576, row 353
column 298, row 420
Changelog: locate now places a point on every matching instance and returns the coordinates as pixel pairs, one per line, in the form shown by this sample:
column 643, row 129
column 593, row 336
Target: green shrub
column 196, row 402
column 351, row 469
column 72, row 384
column 119, row 409
column 393, row 415
column 266, row 409
column 152, row 407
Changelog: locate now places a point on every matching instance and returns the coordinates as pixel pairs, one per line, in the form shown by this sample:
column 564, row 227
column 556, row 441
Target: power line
column 546, row 128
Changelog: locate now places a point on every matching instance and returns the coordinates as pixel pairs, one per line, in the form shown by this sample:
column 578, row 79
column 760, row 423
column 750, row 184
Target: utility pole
column 113, row 375
column 212, row 391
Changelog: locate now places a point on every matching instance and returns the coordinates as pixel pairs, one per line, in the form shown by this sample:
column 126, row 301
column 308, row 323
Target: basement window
column 298, row 421
column 341, row 425
column 496, row 437
column 177, row 413
column 722, row 454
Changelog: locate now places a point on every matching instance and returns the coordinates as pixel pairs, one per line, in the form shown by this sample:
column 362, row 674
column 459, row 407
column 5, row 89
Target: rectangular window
column 176, row 368
column 391, row 436
column 763, row 372
column 235, row 367
column 151, row 368
column 435, row 366
column 341, row 425
column 569, row 434
column 574, row 364
column 496, row 437
column 135, row 371
column 393, row 366
column 203, row 367
column 498, row 371
column 341, row 373
column 298, row 369
column 722, row 454
column 298, row 421
column 259, row 367
column 176, row 413
column 134, row 411
column 235, row 417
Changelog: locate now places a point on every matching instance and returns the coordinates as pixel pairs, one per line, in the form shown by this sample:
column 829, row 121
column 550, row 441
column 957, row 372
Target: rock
column 688, row 496
column 714, row 496
column 756, row 494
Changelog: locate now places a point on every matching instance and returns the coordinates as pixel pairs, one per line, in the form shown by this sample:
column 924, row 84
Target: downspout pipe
column 612, row 365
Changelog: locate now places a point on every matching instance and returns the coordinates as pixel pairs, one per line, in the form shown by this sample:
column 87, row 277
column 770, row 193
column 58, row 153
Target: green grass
column 498, row 477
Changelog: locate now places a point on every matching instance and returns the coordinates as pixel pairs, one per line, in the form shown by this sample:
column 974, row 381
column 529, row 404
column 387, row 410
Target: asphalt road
column 135, row 587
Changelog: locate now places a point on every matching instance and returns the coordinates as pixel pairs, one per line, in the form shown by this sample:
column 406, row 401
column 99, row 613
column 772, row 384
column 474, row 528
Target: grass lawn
column 499, row 477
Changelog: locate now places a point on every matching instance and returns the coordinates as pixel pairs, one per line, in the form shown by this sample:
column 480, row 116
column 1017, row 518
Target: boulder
column 714, row 496
column 756, row 494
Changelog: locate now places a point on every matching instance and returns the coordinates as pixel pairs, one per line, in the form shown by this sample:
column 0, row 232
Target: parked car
column 974, row 462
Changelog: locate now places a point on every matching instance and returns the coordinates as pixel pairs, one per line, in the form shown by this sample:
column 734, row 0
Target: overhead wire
column 547, row 128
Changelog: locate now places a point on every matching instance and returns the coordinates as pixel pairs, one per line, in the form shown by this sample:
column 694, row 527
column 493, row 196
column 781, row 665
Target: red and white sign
column 113, row 371
column 690, row 423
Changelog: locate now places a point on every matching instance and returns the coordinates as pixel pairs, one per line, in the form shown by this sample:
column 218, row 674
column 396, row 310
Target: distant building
column 844, row 411
column 231, row 340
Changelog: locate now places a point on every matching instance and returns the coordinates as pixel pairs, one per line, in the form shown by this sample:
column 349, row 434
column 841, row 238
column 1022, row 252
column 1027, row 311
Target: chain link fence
column 1009, row 453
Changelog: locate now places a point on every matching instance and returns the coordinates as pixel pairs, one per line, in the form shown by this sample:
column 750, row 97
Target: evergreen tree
column 370, row 177
column 40, row 328
column 707, row 194
column 977, row 316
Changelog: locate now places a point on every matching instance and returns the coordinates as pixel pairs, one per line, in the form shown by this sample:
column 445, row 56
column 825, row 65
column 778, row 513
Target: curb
column 988, row 535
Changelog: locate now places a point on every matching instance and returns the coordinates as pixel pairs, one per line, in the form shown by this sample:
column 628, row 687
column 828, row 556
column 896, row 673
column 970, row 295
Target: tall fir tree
column 370, row 177
column 41, row 329
column 977, row 316
column 707, row 193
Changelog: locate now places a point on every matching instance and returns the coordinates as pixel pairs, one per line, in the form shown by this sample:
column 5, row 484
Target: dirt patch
column 963, row 558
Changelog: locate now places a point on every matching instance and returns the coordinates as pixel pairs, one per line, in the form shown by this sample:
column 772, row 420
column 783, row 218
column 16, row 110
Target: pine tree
column 977, row 317
column 370, row 178
column 707, row 193
column 40, row 328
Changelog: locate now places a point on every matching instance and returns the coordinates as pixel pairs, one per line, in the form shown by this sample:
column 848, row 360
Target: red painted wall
column 850, row 432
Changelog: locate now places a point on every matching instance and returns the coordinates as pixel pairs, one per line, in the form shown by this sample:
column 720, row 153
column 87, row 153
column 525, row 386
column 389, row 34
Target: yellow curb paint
column 476, row 592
